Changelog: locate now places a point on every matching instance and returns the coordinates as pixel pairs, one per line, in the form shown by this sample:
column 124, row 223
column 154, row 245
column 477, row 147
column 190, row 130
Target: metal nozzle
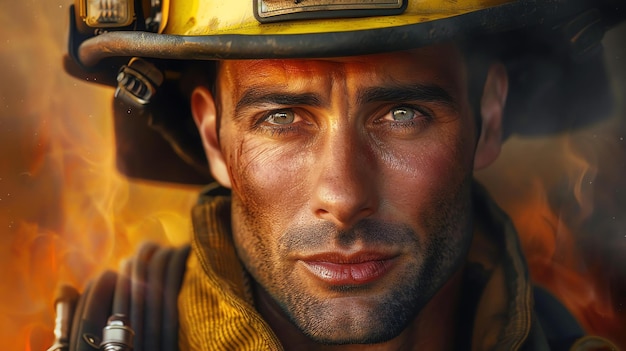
column 64, row 305
column 117, row 335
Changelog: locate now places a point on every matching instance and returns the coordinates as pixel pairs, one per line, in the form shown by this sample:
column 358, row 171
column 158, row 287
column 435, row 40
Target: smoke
column 566, row 194
column 65, row 212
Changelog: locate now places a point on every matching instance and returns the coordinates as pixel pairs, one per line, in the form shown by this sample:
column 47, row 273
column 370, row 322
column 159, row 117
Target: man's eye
column 281, row 117
column 400, row 114
column 404, row 119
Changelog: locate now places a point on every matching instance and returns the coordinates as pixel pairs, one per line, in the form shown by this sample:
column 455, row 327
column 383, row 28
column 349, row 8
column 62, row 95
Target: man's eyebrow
column 407, row 93
column 259, row 96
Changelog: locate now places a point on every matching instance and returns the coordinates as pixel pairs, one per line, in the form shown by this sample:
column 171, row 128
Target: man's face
column 350, row 184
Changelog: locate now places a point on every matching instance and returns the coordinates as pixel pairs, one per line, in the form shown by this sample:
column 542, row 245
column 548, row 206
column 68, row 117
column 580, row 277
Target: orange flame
column 65, row 213
column 556, row 210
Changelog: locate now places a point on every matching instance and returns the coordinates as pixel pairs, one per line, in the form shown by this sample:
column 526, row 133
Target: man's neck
column 434, row 328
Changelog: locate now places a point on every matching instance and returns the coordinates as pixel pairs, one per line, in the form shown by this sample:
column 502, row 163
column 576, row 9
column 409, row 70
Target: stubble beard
column 381, row 317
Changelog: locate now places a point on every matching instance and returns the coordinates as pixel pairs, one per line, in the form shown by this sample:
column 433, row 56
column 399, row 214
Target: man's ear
column 205, row 116
column 491, row 110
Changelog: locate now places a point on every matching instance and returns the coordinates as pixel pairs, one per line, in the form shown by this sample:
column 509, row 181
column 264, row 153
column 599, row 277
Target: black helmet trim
column 236, row 46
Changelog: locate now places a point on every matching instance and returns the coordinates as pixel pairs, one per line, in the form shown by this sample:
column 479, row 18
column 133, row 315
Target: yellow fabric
column 504, row 312
column 213, row 17
column 215, row 304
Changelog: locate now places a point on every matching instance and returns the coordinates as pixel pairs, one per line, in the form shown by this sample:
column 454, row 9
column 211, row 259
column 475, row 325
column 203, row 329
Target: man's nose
column 345, row 181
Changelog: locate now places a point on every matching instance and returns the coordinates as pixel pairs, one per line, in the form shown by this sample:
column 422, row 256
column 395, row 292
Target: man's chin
column 352, row 321
column 345, row 337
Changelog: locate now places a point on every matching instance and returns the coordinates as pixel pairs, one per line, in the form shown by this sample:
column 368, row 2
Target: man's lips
column 355, row 269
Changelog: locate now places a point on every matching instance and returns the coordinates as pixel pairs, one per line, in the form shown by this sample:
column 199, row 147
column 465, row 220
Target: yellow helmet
column 217, row 29
column 161, row 37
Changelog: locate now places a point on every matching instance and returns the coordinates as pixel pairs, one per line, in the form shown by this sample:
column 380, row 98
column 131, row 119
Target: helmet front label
column 283, row 10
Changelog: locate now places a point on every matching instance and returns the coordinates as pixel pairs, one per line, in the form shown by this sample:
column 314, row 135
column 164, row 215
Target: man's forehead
column 435, row 60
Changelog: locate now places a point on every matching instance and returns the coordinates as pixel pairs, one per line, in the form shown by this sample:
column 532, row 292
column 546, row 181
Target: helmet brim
column 487, row 21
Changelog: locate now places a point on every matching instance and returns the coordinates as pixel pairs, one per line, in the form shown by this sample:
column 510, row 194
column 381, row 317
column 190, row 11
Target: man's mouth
column 355, row 269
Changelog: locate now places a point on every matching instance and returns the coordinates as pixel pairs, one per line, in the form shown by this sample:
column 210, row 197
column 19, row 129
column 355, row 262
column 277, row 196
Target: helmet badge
column 283, row 10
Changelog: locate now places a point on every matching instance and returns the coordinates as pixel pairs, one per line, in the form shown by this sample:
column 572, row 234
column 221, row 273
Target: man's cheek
column 426, row 176
column 267, row 173
column 242, row 157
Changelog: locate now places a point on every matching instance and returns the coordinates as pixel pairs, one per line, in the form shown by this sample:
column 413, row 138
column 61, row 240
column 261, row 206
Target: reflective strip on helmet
column 267, row 11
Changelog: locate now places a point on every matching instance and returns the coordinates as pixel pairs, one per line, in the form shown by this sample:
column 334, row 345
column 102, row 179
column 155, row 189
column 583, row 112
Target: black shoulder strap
column 559, row 325
column 135, row 308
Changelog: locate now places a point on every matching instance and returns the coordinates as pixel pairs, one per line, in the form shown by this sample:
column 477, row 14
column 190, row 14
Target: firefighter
column 340, row 140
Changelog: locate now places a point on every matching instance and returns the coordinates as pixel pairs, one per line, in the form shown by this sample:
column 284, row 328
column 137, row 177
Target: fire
column 559, row 213
column 66, row 214
column 565, row 195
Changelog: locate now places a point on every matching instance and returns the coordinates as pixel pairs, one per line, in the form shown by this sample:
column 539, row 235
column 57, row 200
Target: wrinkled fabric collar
column 216, row 307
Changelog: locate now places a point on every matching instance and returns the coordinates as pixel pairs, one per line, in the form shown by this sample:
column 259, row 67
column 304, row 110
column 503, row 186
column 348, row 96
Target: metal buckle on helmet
column 138, row 81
